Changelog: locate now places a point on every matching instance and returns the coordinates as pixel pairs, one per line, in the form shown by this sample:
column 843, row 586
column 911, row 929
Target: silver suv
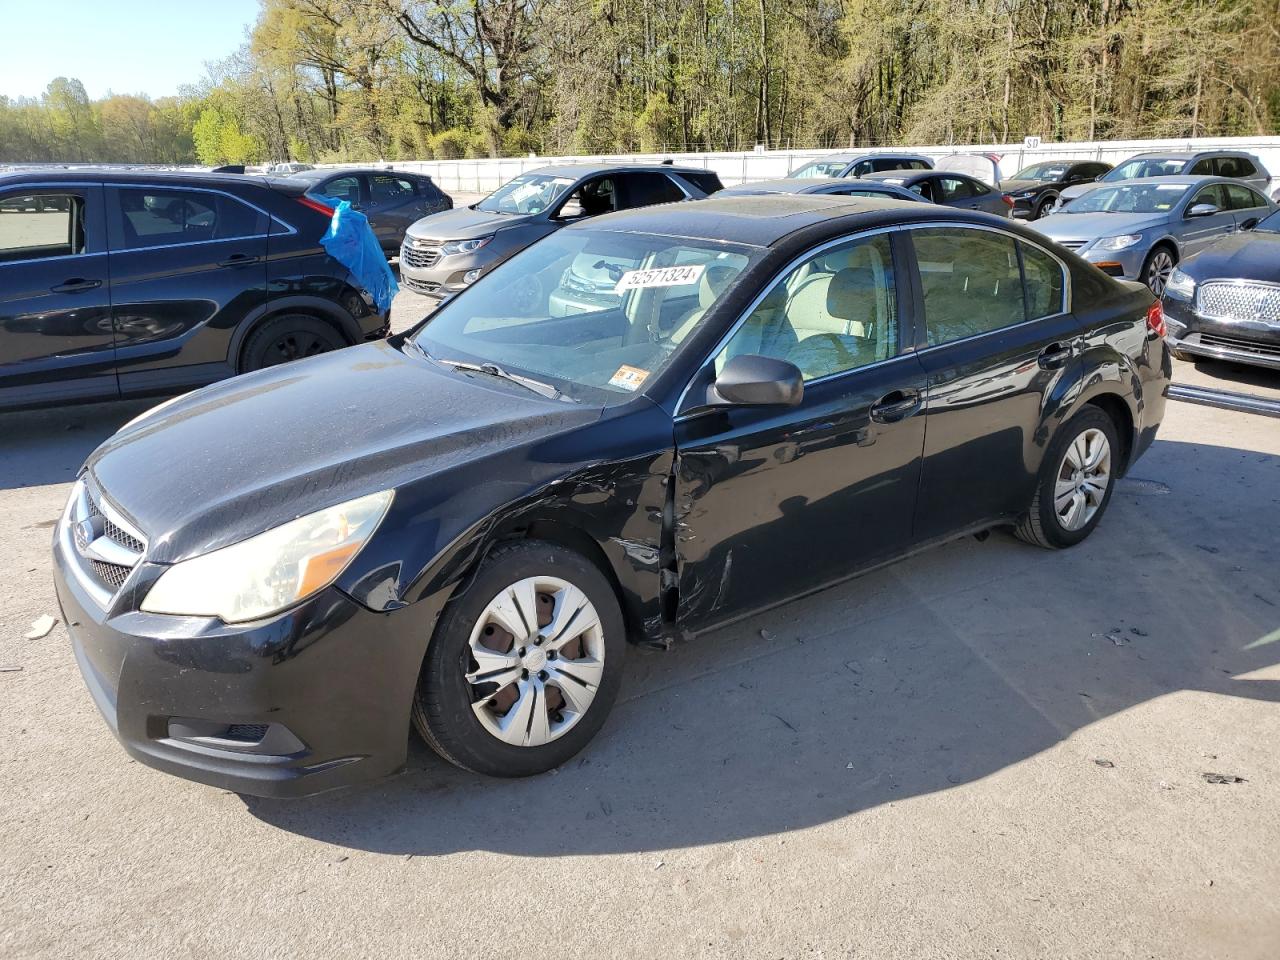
column 445, row 252
column 1180, row 163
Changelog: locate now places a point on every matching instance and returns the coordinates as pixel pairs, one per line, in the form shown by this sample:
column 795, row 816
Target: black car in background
column 860, row 164
column 1033, row 191
column 946, row 187
column 1224, row 302
column 461, row 528
column 117, row 283
column 391, row 200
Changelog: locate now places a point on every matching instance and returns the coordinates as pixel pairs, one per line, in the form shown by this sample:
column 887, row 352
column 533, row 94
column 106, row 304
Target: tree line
column 332, row 80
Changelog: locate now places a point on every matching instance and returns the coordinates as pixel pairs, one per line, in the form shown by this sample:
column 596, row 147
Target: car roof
column 1185, row 180
column 104, row 174
column 1187, row 154
column 909, row 176
column 578, row 170
column 764, row 219
column 320, row 174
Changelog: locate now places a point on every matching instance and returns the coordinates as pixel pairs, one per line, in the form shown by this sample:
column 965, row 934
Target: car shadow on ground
column 920, row 677
column 39, row 447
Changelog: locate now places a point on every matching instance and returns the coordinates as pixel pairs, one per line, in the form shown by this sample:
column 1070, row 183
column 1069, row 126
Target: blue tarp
column 351, row 241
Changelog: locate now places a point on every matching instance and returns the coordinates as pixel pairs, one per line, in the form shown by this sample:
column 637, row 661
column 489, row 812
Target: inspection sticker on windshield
column 662, row 277
column 629, row 378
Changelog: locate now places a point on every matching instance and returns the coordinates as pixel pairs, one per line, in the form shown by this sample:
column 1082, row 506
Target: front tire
column 525, row 663
column 1158, row 268
column 1075, row 483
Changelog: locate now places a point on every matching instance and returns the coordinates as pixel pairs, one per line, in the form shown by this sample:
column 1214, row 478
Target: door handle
column 238, row 260
column 895, row 405
column 76, row 285
column 1054, row 356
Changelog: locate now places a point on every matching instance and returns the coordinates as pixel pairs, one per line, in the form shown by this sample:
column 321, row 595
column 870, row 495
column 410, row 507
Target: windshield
column 1133, row 169
column 531, row 193
column 594, row 313
column 1130, row 198
column 820, row 168
column 1043, row 172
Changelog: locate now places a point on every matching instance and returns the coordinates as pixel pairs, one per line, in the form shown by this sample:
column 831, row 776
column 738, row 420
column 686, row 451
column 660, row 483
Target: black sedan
column 1033, row 191
column 830, row 186
column 393, row 201
column 269, row 580
column 946, row 187
column 1224, row 302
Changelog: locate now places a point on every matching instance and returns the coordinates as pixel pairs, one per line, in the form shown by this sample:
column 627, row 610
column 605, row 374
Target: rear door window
column 1206, row 167
column 35, row 226
column 342, row 188
column 707, row 182
column 1240, row 197
column 389, row 191
column 149, row 217
column 953, row 188
column 971, row 281
column 643, row 189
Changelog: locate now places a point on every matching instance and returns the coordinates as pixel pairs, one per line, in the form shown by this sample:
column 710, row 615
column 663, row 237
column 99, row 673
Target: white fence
column 484, row 176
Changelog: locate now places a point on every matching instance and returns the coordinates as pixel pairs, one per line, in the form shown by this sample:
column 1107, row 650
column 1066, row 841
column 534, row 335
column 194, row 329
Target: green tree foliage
column 401, row 79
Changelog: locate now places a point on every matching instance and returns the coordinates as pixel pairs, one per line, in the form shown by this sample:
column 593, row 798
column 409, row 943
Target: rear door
column 1246, row 205
column 188, row 264
column 995, row 354
column 56, row 340
column 646, row 189
column 395, row 203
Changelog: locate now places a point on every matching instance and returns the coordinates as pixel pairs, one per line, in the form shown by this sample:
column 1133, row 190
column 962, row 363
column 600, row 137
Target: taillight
column 1007, row 199
column 1155, row 319
column 316, row 205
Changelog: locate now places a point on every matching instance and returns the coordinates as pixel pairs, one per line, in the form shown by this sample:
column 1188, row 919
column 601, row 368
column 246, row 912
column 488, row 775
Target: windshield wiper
column 493, row 370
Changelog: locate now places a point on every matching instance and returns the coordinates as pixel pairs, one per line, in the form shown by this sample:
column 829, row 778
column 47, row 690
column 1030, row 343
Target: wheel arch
column 317, row 307
column 1115, row 407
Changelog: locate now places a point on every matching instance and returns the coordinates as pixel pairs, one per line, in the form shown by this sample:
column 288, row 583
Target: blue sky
column 122, row 46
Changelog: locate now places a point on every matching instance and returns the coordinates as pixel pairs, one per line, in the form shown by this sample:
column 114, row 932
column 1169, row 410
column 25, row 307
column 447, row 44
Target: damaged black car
column 270, row 581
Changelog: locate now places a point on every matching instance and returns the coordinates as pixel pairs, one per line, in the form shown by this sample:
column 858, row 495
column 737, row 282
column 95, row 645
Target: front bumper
column 443, row 278
column 310, row 700
column 1253, row 342
column 1123, row 264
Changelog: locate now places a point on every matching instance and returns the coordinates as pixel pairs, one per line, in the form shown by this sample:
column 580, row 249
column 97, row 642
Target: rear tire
column 517, row 702
column 1075, row 483
column 290, row 336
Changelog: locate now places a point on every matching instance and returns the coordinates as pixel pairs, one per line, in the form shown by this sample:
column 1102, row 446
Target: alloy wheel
column 1082, row 479
column 1159, row 270
column 295, row 346
column 536, row 658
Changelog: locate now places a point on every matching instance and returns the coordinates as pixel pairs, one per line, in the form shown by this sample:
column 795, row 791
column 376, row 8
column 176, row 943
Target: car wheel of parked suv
column 524, row 665
column 288, row 337
column 1075, row 482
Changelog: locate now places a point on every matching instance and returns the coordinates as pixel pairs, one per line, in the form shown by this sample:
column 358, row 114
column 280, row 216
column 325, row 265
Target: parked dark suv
column 391, row 200
column 117, row 284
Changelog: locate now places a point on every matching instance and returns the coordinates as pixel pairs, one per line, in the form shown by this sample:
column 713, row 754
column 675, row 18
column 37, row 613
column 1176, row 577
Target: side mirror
column 1249, row 224
column 755, row 381
column 1203, row 210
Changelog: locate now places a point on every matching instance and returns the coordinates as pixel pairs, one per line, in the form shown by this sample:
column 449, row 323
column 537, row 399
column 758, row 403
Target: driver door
column 770, row 502
column 1199, row 232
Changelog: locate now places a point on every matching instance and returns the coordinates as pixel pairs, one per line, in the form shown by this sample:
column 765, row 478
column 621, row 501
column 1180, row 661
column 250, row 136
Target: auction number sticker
column 661, row 277
column 628, row 378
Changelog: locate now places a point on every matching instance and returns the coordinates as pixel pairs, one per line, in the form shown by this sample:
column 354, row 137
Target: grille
column 1244, row 346
column 246, row 732
column 1072, row 244
column 1236, row 300
column 423, row 286
column 114, row 532
column 112, row 574
column 419, row 256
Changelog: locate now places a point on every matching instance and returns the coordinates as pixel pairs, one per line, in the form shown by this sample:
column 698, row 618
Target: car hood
column 1090, row 226
column 1241, row 256
column 231, row 460
column 462, row 224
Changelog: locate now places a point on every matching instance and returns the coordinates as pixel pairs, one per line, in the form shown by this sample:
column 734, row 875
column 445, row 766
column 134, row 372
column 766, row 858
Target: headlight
column 1118, row 243
column 272, row 571
column 1180, row 285
column 453, row 247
